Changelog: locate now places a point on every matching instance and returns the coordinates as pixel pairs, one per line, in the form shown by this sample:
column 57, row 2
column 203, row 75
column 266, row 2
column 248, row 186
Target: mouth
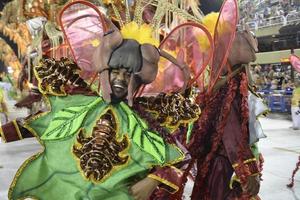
column 118, row 86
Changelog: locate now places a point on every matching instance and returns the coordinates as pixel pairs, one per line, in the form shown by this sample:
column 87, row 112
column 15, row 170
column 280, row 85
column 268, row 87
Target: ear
column 149, row 69
column 111, row 40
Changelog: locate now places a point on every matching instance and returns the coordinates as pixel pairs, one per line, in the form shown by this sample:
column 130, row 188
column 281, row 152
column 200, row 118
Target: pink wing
column 295, row 62
column 83, row 26
column 185, row 44
column 224, row 35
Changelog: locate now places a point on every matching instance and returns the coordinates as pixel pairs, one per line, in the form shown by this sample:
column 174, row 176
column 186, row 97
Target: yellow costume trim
column 250, row 160
column 29, row 160
column 2, row 134
column 176, row 169
column 19, row 172
column 142, row 34
column 164, row 181
column 245, row 162
column 17, row 129
column 266, row 112
column 234, row 178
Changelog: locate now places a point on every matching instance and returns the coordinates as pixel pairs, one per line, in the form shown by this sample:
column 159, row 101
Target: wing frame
column 210, row 39
column 88, row 4
column 217, row 37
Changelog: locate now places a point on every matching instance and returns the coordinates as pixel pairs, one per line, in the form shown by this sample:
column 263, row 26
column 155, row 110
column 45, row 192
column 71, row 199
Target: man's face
column 119, row 80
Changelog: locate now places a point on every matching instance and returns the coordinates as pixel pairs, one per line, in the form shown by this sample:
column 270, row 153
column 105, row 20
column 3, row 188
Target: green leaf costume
column 55, row 173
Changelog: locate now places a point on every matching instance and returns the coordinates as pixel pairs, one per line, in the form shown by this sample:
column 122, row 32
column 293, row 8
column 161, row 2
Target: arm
column 167, row 178
column 4, row 109
column 239, row 151
column 13, row 131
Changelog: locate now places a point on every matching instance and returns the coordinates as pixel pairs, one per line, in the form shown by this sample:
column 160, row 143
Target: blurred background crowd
column 261, row 13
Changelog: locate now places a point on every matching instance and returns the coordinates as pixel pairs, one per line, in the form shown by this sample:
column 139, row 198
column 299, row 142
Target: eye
column 128, row 74
column 114, row 71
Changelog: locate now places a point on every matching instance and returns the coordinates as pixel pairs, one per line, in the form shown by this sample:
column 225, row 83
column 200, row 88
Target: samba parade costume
column 96, row 147
column 98, row 143
column 295, row 61
column 220, row 137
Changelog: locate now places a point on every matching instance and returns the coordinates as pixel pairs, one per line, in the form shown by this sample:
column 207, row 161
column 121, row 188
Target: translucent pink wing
column 189, row 43
column 223, row 37
column 83, row 26
column 295, row 62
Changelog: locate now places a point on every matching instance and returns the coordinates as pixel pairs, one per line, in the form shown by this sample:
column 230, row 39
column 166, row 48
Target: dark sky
column 208, row 6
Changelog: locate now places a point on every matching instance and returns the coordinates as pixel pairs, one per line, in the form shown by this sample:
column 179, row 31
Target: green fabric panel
column 57, row 104
column 147, row 140
column 67, row 121
column 255, row 151
column 55, row 173
column 189, row 132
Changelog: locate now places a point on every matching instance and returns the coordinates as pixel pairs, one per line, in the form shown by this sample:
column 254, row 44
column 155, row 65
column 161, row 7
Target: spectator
column 296, row 106
column 268, row 83
column 271, row 72
column 267, row 12
column 274, row 84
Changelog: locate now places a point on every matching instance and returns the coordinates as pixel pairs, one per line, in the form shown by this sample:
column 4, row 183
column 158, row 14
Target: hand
column 143, row 189
column 252, row 185
column 6, row 118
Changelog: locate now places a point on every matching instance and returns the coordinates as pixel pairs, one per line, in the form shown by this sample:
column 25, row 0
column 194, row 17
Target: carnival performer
column 220, row 138
column 295, row 62
column 3, row 108
column 98, row 146
column 296, row 106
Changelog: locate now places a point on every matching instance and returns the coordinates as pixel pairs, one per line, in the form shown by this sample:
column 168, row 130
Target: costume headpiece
column 97, row 44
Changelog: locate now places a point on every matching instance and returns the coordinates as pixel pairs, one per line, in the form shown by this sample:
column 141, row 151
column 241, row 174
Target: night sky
column 208, row 6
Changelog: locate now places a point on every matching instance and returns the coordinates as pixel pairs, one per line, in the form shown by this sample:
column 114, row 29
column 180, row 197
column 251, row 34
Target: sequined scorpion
column 54, row 75
column 99, row 153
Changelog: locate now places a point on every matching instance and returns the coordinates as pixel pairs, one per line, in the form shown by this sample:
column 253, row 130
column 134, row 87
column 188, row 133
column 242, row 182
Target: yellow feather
column 142, row 34
column 210, row 21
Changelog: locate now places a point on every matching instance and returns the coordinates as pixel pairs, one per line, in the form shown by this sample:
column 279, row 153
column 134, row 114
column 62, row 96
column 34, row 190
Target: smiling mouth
column 119, row 86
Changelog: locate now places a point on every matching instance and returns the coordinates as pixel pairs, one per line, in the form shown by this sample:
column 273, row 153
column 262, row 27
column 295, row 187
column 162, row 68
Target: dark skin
column 119, row 81
column 252, row 186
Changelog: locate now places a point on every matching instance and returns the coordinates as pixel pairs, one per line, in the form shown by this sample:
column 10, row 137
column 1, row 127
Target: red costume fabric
column 220, row 143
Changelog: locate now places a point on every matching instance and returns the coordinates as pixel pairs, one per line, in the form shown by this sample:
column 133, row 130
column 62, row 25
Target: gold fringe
column 17, row 129
column 117, row 13
column 164, row 181
column 2, row 134
column 138, row 11
column 245, row 162
column 127, row 13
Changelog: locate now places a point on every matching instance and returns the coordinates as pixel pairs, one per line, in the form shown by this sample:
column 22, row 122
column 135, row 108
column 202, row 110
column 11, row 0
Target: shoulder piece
column 171, row 110
column 58, row 77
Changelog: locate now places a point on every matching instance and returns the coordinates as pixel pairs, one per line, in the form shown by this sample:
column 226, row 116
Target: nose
column 121, row 75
